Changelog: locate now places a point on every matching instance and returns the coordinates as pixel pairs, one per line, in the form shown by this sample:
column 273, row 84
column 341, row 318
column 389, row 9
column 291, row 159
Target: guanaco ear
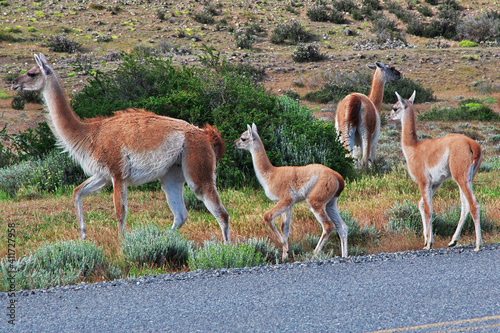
column 38, row 61
column 372, row 67
column 41, row 61
column 44, row 60
column 401, row 101
column 254, row 128
column 380, row 65
column 412, row 98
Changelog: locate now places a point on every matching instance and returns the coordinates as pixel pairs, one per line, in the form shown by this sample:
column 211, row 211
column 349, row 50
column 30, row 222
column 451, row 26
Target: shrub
column 344, row 5
column 307, row 53
column 320, row 13
column 405, row 87
column 204, row 17
column 47, row 174
column 446, row 224
column 60, row 263
column 467, row 43
column 244, row 38
column 154, row 246
column 469, row 109
column 216, row 255
column 482, row 28
column 61, row 43
column 270, row 253
column 425, row 10
column 404, row 217
column 216, row 96
column 31, row 143
column 292, row 31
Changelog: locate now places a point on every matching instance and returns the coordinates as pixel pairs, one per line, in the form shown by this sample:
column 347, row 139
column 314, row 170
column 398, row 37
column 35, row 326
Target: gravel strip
column 199, row 274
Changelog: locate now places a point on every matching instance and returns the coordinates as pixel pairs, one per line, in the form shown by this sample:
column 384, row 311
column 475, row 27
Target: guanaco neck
column 408, row 128
column 262, row 166
column 377, row 89
column 65, row 121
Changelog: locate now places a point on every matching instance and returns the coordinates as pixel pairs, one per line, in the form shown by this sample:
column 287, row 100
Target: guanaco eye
column 32, row 74
column 243, row 139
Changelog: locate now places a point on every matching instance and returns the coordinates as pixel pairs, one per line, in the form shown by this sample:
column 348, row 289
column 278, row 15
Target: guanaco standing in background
column 357, row 117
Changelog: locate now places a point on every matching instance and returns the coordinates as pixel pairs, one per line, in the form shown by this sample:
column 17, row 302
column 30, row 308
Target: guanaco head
column 401, row 105
column 390, row 73
column 247, row 139
column 35, row 78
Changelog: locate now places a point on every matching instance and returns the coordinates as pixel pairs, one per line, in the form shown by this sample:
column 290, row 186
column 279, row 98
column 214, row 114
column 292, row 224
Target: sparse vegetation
column 62, row 43
column 292, row 32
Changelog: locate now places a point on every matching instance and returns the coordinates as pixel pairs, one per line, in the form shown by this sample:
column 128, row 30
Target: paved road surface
column 445, row 292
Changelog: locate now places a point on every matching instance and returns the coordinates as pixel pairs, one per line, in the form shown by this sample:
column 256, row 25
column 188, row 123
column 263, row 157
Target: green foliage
column 344, row 83
column 204, row 17
column 216, row 96
column 62, row 43
column 270, row 253
column 307, row 53
column 481, row 28
column 244, row 38
column 404, row 217
column 321, row 13
column 41, row 174
column 425, row 10
column 292, row 31
column 152, row 245
column 344, row 5
column 28, row 144
column 469, row 109
column 467, row 43
column 215, row 255
column 405, row 87
column 60, row 263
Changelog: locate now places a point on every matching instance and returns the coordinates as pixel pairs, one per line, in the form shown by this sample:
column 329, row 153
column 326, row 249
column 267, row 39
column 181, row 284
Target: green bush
column 344, row 5
column 405, row 87
column 469, row 109
column 215, row 255
column 292, row 31
column 404, row 217
column 204, row 17
column 307, row 53
column 481, row 28
column 41, row 174
column 345, row 83
column 152, row 245
column 244, row 38
column 270, row 254
column 61, row 43
column 467, row 43
column 216, row 96
column 60, row 263
column 321, row 13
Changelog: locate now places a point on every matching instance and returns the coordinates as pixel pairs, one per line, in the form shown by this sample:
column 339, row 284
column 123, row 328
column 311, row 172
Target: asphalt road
column 445, row 292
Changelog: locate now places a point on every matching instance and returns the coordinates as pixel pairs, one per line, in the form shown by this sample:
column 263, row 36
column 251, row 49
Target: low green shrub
column 404, row 217
column 307, row 53
column 270, row 254
column 244, row 38
column 292, row 32
column 41, row 174
column 60, row 263
column 320, row 13
column 62, row 43
column 152, row 245
column 469, row 109
column 204, row 17
column 467, row 43
column 215, row 255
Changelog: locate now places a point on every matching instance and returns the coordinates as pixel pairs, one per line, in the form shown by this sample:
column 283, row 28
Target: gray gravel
column 437, row 290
